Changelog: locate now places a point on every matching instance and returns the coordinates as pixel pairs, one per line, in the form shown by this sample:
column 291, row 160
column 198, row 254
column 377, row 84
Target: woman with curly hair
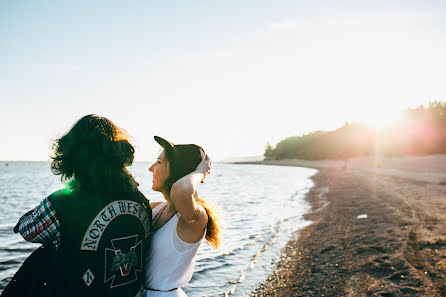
column 100, row 223
column 181, row 222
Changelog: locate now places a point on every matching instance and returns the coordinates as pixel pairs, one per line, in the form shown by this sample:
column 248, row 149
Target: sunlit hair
column 93, row 156
column 214, row 225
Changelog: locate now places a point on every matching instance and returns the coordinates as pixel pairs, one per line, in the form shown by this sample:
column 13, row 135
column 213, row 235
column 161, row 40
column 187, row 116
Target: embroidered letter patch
column 111, row 211
column 88, row 277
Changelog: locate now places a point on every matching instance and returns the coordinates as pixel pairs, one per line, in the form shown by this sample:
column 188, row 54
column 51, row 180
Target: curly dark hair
column 94, row 155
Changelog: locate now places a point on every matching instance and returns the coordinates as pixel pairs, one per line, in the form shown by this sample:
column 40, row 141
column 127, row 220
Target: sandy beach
column 379, row 229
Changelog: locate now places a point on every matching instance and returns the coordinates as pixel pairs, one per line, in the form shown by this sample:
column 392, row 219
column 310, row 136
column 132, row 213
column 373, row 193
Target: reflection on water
column 261, row 205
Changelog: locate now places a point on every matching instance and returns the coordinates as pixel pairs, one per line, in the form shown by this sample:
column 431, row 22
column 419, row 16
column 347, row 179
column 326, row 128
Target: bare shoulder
column 155, row 204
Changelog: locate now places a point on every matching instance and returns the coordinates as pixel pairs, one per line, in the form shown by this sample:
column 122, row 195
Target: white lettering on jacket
column 111, row 211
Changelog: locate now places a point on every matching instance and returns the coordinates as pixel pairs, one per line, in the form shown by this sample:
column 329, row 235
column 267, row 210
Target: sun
column 380, row 120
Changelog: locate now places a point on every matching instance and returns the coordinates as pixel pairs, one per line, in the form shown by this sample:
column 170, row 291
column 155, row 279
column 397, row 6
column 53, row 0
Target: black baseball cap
column 183, row 158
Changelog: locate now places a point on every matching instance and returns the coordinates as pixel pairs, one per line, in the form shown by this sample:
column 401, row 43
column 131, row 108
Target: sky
column 228, row 75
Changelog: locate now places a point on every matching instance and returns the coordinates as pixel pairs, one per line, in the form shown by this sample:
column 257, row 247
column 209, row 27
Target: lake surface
column 262, row 206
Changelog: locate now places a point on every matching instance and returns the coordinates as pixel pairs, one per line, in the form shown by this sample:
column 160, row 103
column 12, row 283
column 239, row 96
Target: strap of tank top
column 157, row 208
column 157, row 217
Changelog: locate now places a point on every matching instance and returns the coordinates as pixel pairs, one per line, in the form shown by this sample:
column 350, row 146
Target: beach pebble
column 362, row 216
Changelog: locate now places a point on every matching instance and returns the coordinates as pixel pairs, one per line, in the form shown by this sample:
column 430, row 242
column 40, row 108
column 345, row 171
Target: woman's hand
column 205, row 165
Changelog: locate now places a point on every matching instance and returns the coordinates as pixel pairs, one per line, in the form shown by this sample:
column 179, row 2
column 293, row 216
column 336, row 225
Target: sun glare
column 380, row 121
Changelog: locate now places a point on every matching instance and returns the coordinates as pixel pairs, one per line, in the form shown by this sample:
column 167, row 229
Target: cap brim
column 167, row 145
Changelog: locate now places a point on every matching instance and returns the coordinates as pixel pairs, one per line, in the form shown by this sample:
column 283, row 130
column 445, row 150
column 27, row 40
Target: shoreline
column 396, row 247
column 430, row 169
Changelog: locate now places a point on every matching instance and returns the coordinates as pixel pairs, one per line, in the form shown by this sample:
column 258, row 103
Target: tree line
column 419, row 131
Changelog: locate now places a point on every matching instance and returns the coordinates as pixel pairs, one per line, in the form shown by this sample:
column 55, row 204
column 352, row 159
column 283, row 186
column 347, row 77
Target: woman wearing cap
column 181, row 222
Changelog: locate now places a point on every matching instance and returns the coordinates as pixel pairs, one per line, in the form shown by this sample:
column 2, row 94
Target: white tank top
column 170, row 261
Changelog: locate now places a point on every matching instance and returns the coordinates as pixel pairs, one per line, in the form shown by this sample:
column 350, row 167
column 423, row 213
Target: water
column 262, row 206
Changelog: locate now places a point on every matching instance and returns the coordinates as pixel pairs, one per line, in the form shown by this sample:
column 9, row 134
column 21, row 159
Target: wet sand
column 396, row 247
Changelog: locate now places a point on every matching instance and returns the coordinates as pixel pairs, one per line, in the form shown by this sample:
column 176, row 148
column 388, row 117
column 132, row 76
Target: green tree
column 269, row 152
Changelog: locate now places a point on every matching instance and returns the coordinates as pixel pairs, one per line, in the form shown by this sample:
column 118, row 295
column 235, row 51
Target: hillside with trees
column 419, row 131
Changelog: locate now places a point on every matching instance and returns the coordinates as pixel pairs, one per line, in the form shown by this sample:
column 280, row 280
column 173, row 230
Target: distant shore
column 378, row 230
column 431, row 169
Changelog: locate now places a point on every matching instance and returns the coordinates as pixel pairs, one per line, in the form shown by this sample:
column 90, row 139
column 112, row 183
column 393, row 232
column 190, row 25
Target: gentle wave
column 18, row 250
column 262, row 207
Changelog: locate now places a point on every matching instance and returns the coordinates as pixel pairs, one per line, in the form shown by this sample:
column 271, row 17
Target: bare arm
column 184, row 189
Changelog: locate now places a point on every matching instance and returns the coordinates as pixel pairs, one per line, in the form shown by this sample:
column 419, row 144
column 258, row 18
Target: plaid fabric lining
column 41, row 225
